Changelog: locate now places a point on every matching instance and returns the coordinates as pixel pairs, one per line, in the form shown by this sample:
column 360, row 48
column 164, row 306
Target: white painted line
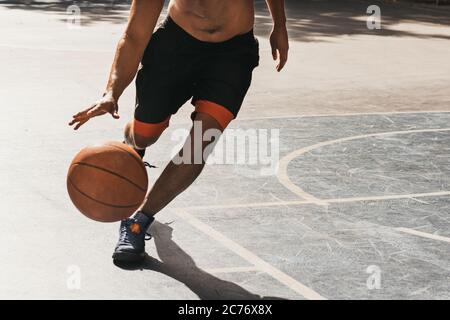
column 231, row 270
column 286, row 181
column 322, row 115
column 262, row 265
column 390, row 197
column 245, row 205
column 412, row 196
column 284, row 162
column 423, row 234
column 183, row 122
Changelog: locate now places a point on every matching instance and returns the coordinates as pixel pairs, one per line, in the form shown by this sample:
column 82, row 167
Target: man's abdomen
column 213, row 20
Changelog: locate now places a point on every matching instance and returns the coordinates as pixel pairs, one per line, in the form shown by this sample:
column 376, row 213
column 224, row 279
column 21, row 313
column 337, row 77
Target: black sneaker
column 132, row 236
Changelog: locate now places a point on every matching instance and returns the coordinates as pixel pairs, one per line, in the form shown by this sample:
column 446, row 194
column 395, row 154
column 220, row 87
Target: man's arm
column 143, row 17
column 276, row 8
column 279, row 36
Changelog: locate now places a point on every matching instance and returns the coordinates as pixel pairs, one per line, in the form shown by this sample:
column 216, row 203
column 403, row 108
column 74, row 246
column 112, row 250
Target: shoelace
column 124, row 234
column 146, row 164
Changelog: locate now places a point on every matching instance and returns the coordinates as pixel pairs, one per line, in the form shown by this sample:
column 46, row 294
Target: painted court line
column 301, row 202
column 423, row 234
column 390, row 197
column 296, row 116
column 231, row 270
column 350, row 114
column 245, row 205
column 283, row 176
column 260, row 264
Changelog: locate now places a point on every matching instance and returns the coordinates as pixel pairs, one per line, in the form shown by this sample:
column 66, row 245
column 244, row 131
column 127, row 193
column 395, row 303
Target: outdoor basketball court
column 358, row 208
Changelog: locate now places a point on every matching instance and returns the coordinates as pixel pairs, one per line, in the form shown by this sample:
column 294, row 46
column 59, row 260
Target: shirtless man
column 205, row 51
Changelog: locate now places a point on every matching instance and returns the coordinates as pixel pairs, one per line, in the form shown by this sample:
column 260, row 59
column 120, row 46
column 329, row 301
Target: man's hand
column 105, row 105
column 280, row 45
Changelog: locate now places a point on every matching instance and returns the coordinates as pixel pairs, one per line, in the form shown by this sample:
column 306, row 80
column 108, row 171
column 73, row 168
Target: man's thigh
column 163, row 83
column 224, row 81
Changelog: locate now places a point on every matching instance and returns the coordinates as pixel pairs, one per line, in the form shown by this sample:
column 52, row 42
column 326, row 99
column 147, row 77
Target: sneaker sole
column 128, row 256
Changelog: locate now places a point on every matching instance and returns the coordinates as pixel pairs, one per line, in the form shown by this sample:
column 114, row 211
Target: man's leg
column 175, row 178
column 131, row 244
column 178, row 177
column 137, row 141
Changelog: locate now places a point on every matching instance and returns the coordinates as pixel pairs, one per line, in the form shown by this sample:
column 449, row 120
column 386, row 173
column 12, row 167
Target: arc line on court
column 284, row 179
column 262, row 265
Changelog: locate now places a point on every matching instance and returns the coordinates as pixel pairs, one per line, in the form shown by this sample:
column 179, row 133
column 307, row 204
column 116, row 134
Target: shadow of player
column 178, row 265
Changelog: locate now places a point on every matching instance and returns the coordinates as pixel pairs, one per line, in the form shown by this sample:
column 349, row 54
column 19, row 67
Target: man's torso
column 213, row 20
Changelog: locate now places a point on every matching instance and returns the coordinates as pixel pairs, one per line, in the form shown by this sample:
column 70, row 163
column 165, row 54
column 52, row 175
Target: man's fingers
column 79, row 124
column 274, row 54
column 81, row 118
column 281, row 64
column 95, row 112
column 83, row 113
column 80, row 114
column 115, row 114
column 283, row 59
column 78, row 119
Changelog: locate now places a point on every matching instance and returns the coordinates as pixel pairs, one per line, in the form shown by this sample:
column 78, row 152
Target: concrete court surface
column 362, row 188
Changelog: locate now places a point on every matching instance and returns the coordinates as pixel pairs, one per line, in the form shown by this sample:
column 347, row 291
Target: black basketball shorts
column 177, row 67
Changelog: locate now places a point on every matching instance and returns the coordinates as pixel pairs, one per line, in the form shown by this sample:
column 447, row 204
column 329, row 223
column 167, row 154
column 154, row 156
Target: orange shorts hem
column 221, row 114
column 144, row 129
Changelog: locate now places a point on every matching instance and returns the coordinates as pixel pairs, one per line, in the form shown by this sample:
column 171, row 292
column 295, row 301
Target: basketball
column 107, row 182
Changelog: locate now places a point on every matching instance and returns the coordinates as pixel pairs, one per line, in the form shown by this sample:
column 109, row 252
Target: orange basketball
column 107, row 182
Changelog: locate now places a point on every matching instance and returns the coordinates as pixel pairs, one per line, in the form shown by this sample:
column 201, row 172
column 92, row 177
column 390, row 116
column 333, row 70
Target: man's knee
column 207, row 127
column 213, row 114
column 204, row 134
column 137, row 138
